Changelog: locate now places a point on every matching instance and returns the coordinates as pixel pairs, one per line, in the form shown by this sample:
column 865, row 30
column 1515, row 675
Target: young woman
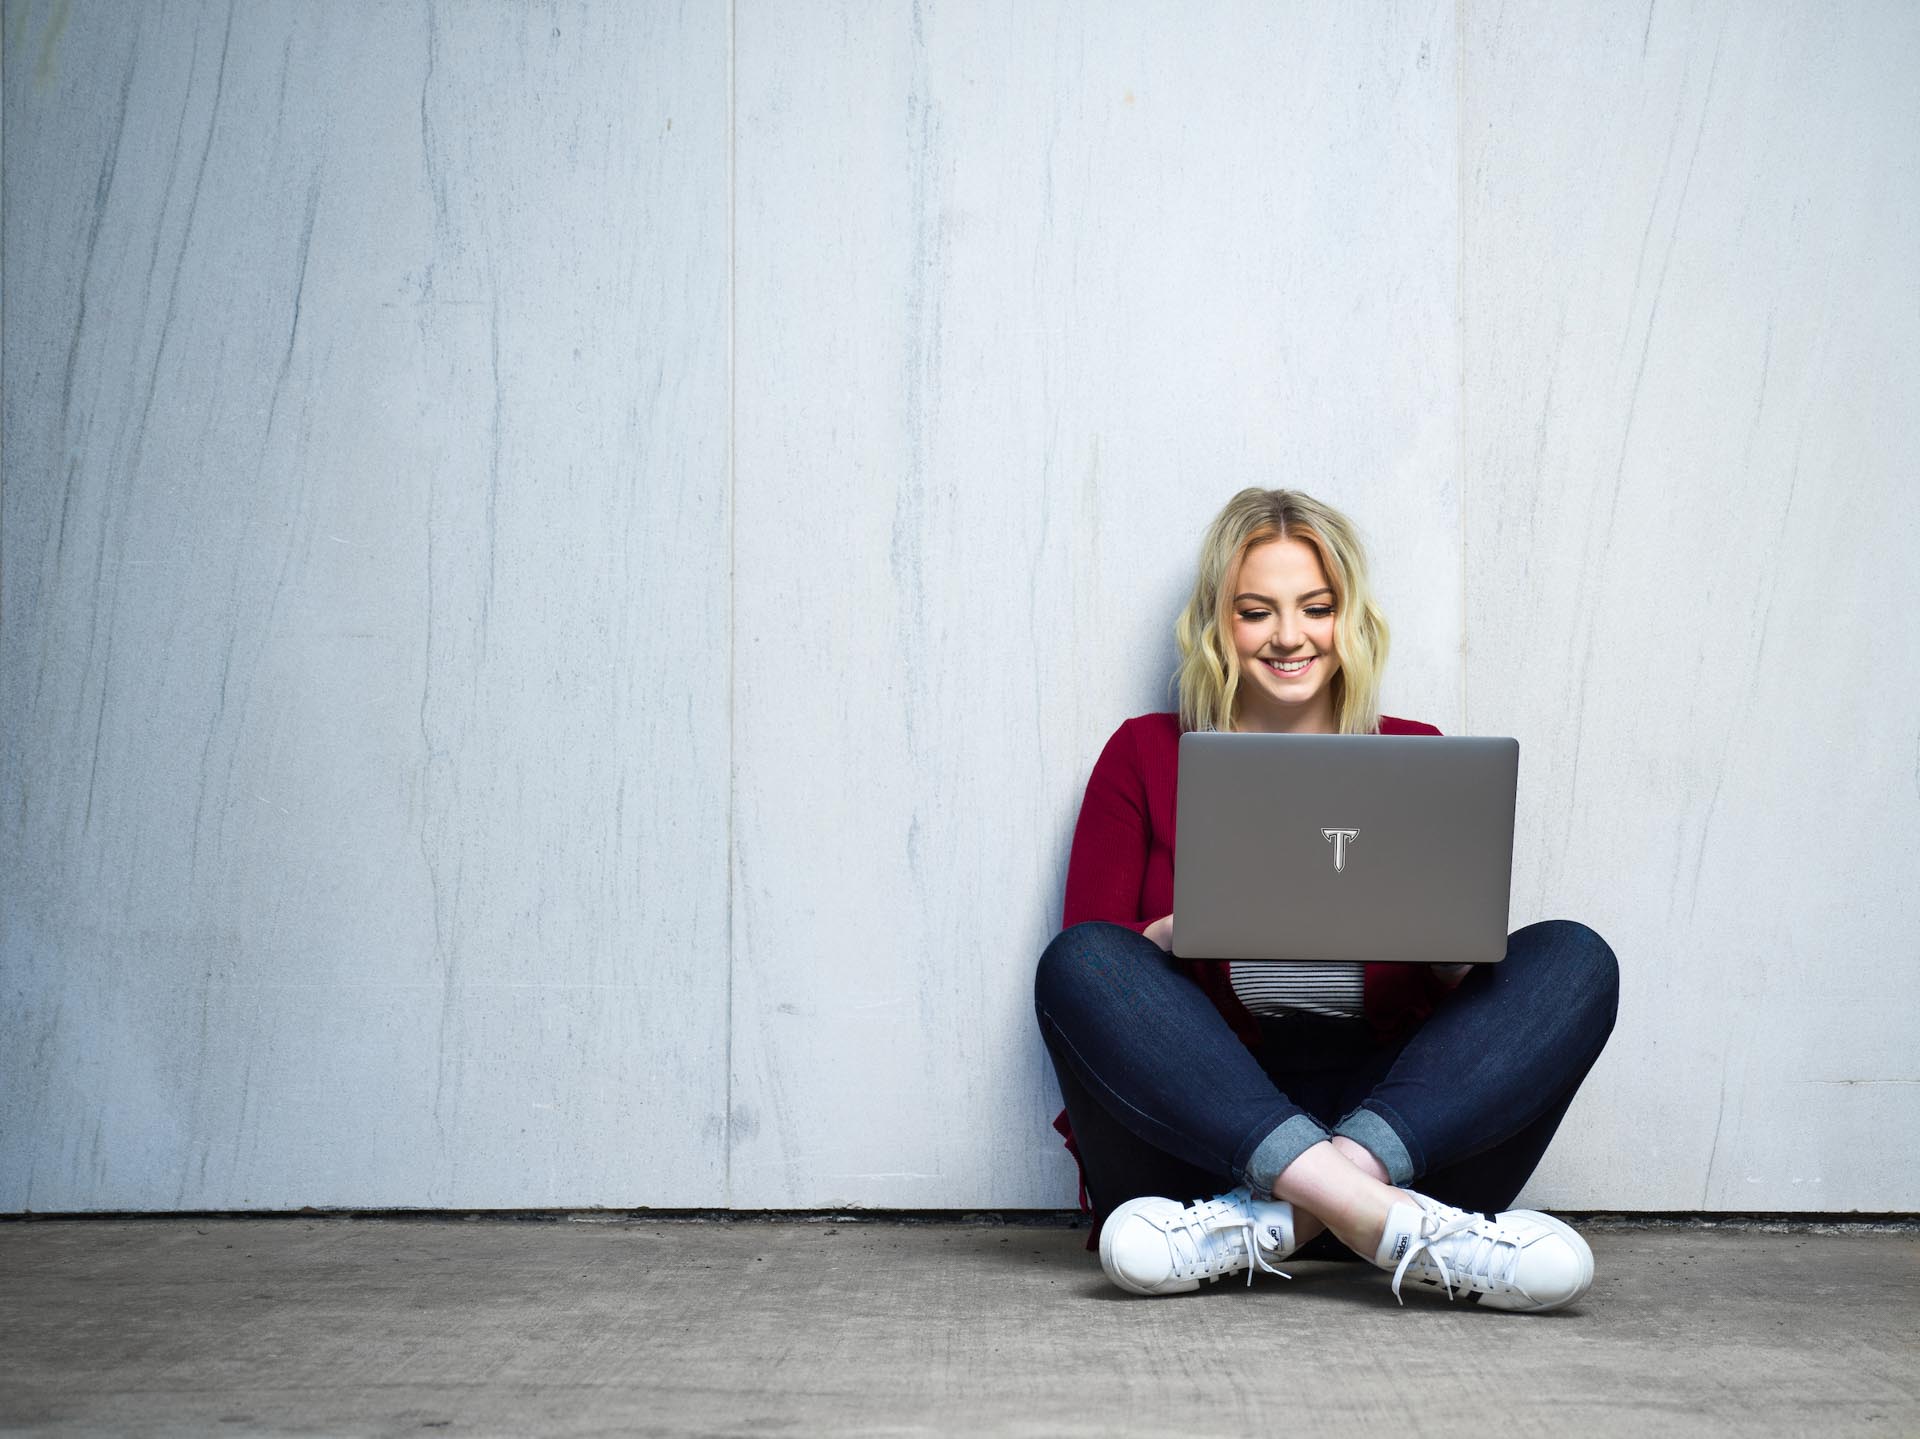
column 1395, row 1108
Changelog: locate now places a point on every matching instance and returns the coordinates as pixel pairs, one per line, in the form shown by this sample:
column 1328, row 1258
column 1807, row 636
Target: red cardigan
column 1121, row 871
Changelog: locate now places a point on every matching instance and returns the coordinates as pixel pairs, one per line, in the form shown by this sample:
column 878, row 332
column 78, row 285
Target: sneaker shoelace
column 1483, row 1252
column 1203, row 1237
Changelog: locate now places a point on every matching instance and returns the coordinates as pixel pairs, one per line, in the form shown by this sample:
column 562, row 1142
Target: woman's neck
column 1319, row 719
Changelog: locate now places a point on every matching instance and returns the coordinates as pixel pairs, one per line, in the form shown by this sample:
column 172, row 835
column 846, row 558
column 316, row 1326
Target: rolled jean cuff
column 1377, row 1129
column 1286, row 1143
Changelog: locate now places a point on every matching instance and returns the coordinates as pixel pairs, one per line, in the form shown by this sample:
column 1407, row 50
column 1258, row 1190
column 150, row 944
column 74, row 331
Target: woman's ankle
column 1306, row 1226
column 1350, row 1202
column 1360, row 1157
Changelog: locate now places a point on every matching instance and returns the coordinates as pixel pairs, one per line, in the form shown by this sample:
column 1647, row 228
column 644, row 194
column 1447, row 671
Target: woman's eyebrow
column 1267, row 599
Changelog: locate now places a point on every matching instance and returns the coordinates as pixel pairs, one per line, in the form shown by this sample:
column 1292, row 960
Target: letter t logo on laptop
column 1339, row 838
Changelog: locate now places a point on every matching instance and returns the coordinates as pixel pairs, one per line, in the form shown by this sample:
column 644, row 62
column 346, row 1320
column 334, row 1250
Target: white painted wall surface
column 562, row 570
column 365, row 607
column 1693, row 341
column 1016, row 309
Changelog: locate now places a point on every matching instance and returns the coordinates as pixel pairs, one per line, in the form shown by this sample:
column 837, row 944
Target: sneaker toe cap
column 1141, row 1255
column 1556, row 1268
column 1552, row 1275
column 1136, row 1253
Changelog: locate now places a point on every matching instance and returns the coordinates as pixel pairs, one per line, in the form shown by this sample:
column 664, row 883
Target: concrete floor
column 359, row 1326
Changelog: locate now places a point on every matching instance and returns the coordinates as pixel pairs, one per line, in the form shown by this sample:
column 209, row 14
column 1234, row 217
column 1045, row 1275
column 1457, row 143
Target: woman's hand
column 1451, row 974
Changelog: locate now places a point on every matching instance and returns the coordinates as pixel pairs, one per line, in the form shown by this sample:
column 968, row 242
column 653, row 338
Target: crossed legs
column 1165, row 1099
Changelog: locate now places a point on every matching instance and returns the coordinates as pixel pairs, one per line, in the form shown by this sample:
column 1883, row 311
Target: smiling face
column 1283, row 613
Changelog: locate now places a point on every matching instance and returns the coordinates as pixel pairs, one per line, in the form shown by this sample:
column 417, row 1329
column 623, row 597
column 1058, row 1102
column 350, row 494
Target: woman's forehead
column 1289, row 567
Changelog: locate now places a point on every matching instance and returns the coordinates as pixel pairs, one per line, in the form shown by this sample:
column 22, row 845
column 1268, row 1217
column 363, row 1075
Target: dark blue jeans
column 1165, row 1099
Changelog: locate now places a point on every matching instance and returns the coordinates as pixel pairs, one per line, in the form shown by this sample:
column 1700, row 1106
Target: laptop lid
column 1344, row 847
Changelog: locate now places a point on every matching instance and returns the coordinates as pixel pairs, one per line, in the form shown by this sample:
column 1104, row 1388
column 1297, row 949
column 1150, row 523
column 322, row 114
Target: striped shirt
column 1331, row 987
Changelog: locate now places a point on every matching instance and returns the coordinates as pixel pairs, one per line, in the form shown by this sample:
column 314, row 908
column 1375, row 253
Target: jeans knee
column 1061, row 964
column 1588, row 963
column 1071, row 958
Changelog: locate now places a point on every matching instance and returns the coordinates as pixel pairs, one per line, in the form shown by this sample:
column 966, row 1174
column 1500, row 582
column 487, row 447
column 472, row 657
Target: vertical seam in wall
column 726, row 1117
column 3, row 289
column 1461, row 179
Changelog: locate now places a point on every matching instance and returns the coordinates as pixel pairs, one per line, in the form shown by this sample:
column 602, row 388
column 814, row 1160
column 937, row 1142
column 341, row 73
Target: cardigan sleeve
column 1108, row 862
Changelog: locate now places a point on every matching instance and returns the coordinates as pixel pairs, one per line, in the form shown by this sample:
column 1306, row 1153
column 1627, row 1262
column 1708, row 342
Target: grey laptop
column 1344, row 847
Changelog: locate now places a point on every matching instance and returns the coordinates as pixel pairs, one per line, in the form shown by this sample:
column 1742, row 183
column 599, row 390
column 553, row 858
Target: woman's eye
column 1320, row 612
column 1253, row 614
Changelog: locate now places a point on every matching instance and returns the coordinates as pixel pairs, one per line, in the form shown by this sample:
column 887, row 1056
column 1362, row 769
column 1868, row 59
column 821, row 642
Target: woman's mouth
column 1289, row 668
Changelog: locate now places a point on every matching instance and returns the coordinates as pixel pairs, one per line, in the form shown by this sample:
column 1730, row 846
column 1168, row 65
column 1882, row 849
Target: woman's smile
column 1288, row 667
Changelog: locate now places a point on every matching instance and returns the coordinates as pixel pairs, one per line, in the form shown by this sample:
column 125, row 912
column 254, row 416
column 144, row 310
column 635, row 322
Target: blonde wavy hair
column 1209, row 672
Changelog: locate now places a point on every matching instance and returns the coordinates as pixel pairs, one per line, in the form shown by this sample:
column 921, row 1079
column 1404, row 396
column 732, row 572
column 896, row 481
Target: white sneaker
column 1520, row 1259
column 1154, row 1246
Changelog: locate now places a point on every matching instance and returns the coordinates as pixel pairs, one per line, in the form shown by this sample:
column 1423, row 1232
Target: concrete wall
column 562, row 569
column 1691, row 270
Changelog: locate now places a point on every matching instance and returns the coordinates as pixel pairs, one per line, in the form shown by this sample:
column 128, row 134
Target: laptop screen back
column 1344, row 847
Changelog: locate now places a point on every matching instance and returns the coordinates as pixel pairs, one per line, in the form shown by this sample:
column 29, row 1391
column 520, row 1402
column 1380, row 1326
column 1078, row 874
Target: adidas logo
column 1273, row 1233
column 1400, row 1248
